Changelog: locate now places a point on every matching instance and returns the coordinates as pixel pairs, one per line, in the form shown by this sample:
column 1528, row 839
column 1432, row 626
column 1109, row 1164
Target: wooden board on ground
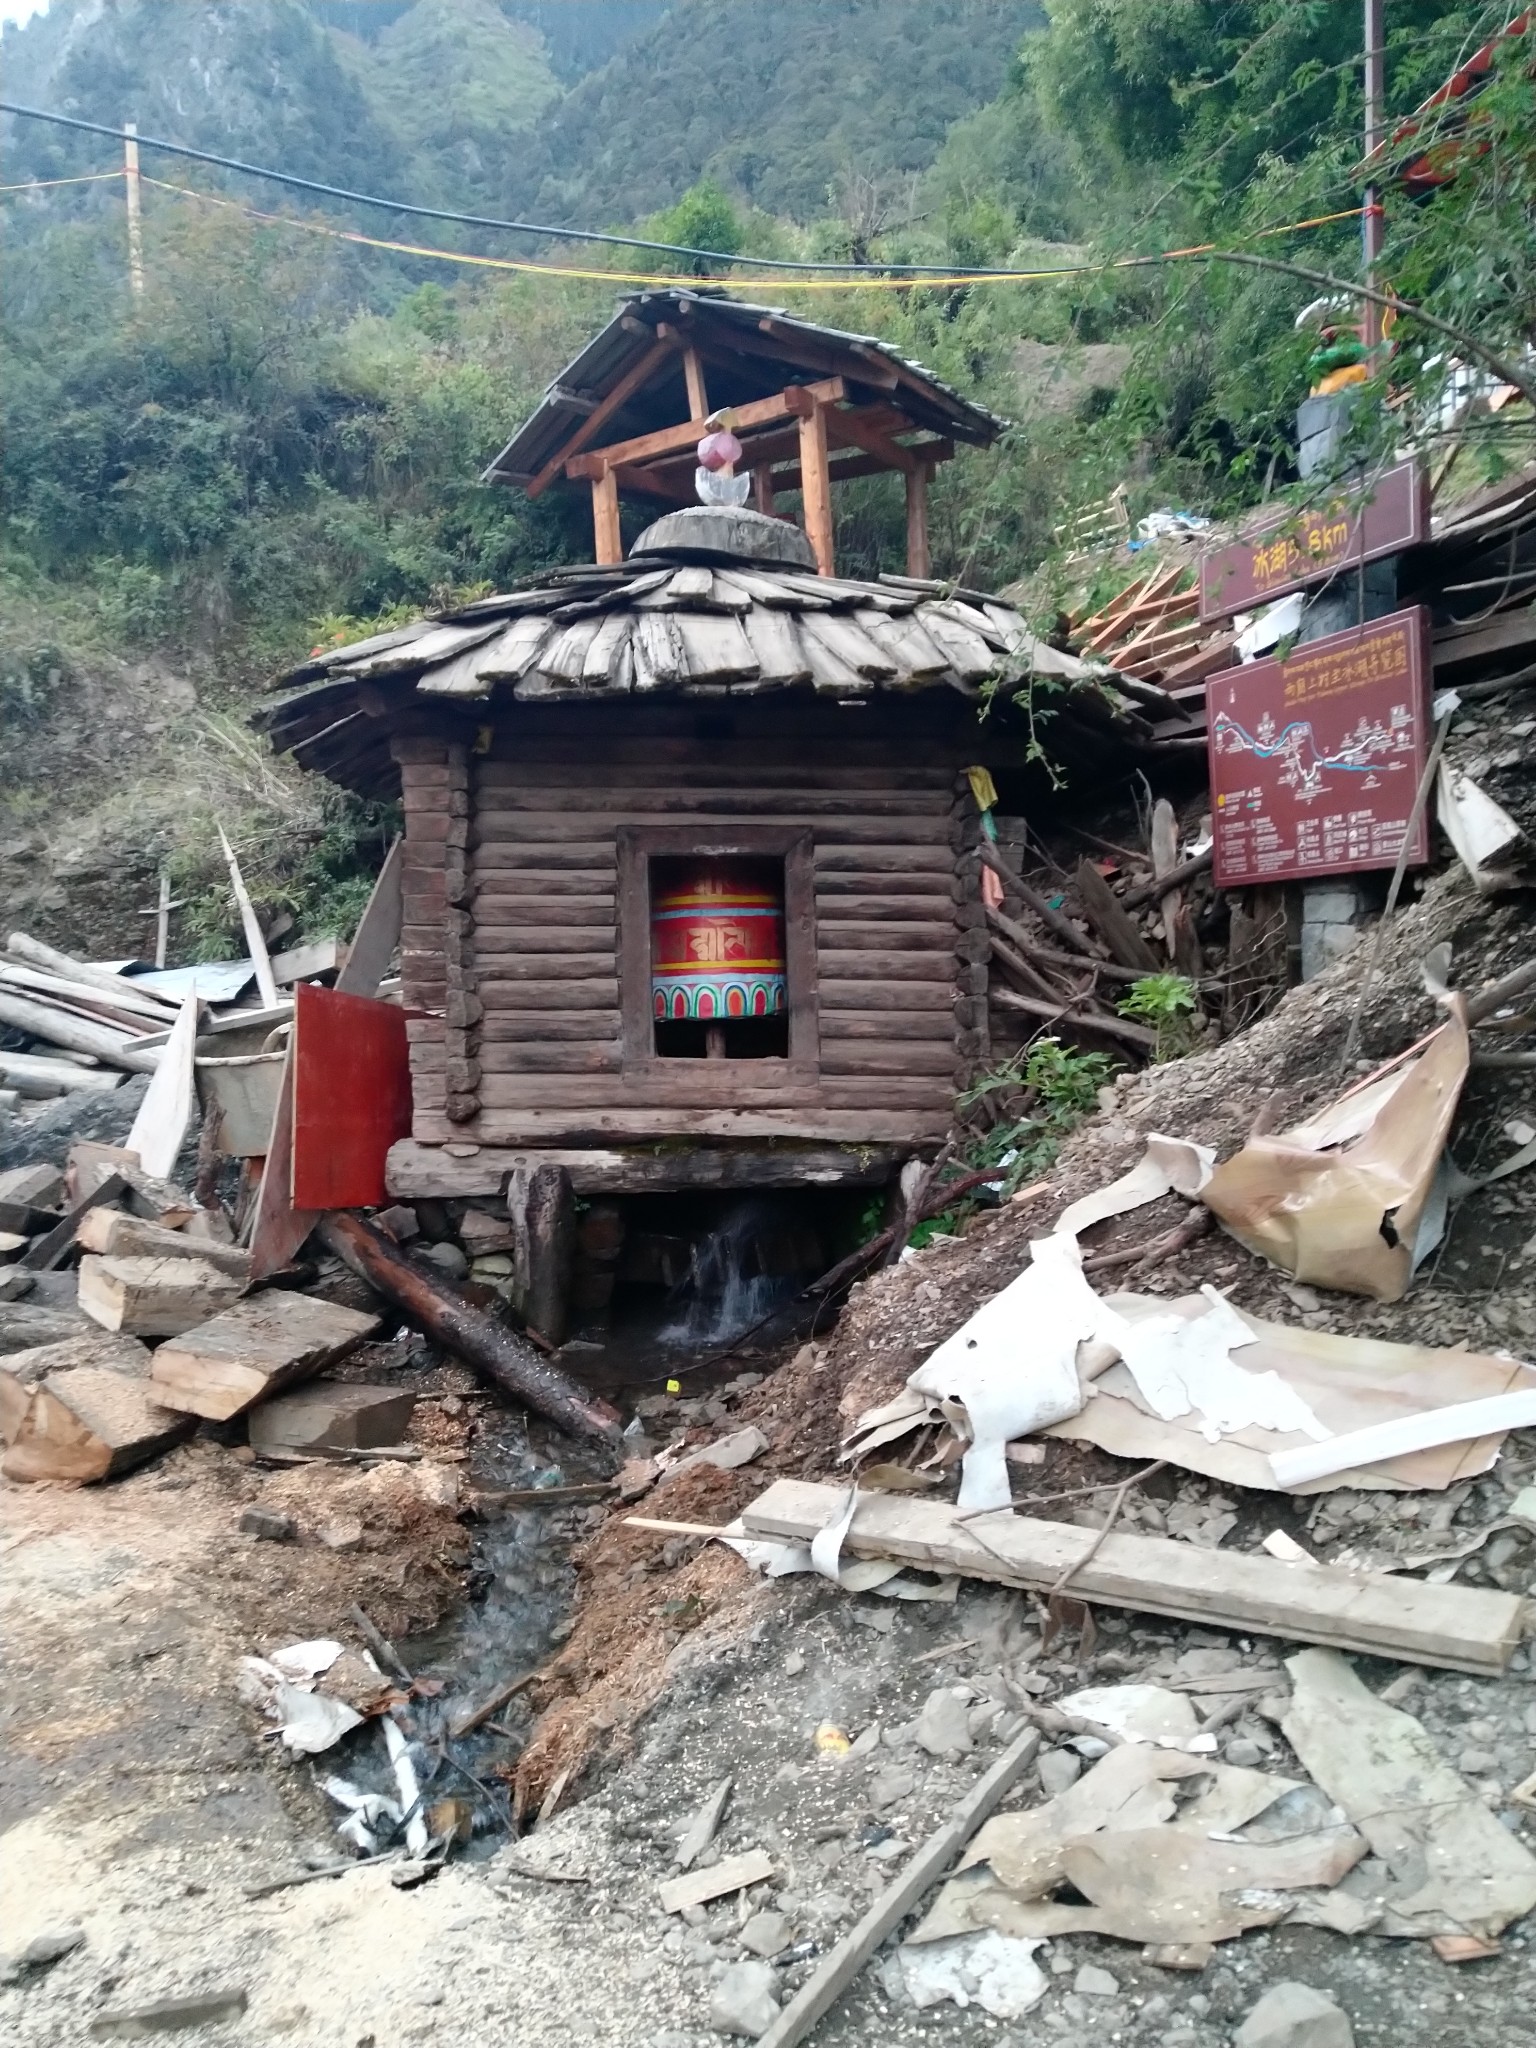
column 39, row 1187
column 160, row 1127
column 24, row 1324
column 1462, row 1628
column 154, row 1297
column 332, row 1415
column 22, row 1372
column 730, row 1874
column 117, row 1236
column 91, row 1423
column 253, row 1349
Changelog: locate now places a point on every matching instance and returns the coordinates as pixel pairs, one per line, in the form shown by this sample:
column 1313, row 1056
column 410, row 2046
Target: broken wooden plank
column 223, row 1366
column 838, row 1968
column 36, row 1075
column 160, row 1127
column 47, row 1251
column 332, row 1415
column 255, row 939
column 114, row 1235
column 303, row 963
column 90, row 1423
column 62, row 1027
column 40, row 1186
column 378, row 930
column 1460, row 1627
column 154, row 1297
column 65, row 967
column 21, row 1372
column 1108, row 918
column 277, row 1227
column 730, row 1874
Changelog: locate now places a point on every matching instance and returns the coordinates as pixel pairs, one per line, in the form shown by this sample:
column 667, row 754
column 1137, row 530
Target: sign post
column 1316, row 760
column 1296, row 548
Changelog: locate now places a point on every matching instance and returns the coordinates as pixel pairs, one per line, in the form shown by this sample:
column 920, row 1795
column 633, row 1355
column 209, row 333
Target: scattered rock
column 204, row 2009
column 1295, row 2015
column 1058, row 1769
column 765, row 1934
column 943, row 1727
column 743, row 2002
column 41, row 1953
column 1477, row 1763
column 890, row 1787
column 342, row 1532
column 1091, row 1982
column 794, row 1664
column 446, row 1257
column 1246, row 1755
column 270, row 1526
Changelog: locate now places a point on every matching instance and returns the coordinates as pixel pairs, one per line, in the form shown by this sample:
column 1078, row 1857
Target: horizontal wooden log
column 1080, row 1017
column 495, row 906
column 901, row 1057
column 567, row 1057
column 426, row 1170
column 547, row 1026
column 636, row 1125
column 502, row 996
column 900, row 908
column 938, row 965
column 1461, row 1628
column 75, row 1034
column 639, row 766
column 536, row 939
column 933, row 1026
column 665, row 803
column 848, row 1091
column 842, row 934
column 868, row 861
column 689, row 1084
column 594, row 858
column 564, row 829
column 845, row 993
column 498, row 967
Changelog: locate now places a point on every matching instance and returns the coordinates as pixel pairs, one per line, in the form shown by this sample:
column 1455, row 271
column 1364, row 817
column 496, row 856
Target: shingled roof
column 712, row 604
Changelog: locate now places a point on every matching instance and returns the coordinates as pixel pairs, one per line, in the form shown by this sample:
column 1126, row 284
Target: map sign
column 1295, row 548
column 1316, row 760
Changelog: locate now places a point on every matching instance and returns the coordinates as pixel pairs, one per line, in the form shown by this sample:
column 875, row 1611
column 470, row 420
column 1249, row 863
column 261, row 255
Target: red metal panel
column 1316, row 761
column 1296, row 548
column 351, row 1097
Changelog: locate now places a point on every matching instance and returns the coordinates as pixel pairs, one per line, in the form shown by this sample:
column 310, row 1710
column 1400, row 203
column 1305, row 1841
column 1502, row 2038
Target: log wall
column 513, row 945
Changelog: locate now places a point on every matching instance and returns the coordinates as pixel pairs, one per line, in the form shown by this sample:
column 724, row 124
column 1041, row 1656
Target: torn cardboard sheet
column 1149, row 1867
column 1346, row 1383
column 1340, row 1200
column 308, row 1722
column 1455, row 1869
column 1478, row 828
column 1168, row 1166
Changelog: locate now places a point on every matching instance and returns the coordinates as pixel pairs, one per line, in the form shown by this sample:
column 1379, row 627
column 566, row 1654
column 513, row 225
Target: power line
column 481, row 220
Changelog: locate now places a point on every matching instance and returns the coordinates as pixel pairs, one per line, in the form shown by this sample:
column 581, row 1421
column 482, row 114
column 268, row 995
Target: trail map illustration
column 1316, row 760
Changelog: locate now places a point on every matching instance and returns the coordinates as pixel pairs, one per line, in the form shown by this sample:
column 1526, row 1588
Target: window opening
column 719, row 989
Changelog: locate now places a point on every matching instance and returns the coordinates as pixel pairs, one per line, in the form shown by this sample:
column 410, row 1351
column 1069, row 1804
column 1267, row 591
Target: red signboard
column 351, row 1097
column 1296, row 548
column 1316, row 760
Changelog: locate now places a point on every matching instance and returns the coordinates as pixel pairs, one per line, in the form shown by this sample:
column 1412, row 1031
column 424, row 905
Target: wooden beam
column 673, row 440
column 607, row 540
column 762, row 488
column 601, row 414
column 919, row 557
column 854, row 428
column 698, row 391
column 816, row 485
column 1463, row 1628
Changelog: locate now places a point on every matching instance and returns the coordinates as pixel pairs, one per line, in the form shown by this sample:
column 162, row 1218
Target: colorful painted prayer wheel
column 717, row 943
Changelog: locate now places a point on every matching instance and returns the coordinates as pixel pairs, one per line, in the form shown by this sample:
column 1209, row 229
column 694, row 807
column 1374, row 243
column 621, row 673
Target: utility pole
column 1375, row 95
column 135, row 218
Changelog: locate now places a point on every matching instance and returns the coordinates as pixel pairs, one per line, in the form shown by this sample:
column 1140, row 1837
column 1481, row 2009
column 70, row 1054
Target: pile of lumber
column 1067, row 947
column 1151, row 635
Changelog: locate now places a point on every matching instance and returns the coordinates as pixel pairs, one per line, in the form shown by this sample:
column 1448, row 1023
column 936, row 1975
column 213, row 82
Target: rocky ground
column 142, row 1803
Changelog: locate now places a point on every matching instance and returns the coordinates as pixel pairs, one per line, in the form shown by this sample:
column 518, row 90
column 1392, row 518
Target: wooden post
column 698, row 392
column 551, row 1216
column 163, row 919
column 762, row 488
column 816, row 487
column 919, row 561
column 605, row 518
column 135, row 220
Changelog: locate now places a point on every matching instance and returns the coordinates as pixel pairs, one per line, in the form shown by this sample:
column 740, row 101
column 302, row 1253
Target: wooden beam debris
column 221, row 1366
column 1462, row 1628
column 154, row 1297
column 255, row 939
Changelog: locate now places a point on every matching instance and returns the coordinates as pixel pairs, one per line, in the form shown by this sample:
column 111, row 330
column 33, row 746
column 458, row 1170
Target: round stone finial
column 721, row 533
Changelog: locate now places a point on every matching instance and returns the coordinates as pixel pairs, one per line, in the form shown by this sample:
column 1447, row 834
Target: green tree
column 703, row 218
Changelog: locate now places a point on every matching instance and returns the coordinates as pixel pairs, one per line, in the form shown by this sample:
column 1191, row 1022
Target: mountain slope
column 778, row 101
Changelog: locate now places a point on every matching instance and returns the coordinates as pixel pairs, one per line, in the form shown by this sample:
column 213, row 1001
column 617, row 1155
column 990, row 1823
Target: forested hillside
column 281, row 441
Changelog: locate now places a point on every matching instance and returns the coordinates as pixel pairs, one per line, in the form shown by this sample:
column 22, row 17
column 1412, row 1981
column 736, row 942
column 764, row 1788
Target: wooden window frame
column 717, row 1080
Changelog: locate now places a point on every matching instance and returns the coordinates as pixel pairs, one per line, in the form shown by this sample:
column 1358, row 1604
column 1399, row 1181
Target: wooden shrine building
column 692, row 887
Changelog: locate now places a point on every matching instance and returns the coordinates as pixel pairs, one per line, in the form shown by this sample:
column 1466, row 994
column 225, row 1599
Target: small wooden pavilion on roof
column 812, row 406
column 692, row 883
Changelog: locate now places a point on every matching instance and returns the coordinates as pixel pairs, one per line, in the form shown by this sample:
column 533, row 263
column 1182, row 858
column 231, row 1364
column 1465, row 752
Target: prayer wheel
column 717, row 942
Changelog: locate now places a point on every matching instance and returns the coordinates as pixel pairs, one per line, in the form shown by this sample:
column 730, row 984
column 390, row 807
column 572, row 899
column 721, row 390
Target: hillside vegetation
column 280, row 444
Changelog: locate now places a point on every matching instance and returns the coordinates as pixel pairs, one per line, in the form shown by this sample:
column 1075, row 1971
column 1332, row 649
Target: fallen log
column 1175, row 878
column 1071, row 1011
column 508, row 1361
column 1053, row 920
column 66, row 968
column 61, row 1027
